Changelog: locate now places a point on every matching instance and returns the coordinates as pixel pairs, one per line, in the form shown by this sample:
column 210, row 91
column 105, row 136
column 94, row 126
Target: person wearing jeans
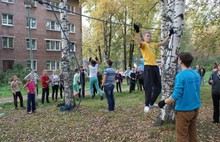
column 108, row 84
column 31, row 106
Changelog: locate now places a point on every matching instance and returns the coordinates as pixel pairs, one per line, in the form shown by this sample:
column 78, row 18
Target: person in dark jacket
column 214, row 80
column 118, row 78
column 202, row 74
column 82, row 81
column 133, row 78
column 140, row 78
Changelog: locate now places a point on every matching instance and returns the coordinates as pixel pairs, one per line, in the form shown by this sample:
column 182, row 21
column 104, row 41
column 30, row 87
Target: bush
column 18, row 70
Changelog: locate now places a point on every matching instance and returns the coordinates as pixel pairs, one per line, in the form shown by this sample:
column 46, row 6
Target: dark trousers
column 55, row 90
column 152, row 85
column 18, row 95
column 45, row 91
column 83, row 89
column 118, row 86
column 215, row 100
column 141, row 84
column 132, row 86
column 37, row 88
column 61, row 91
column 31, row 103
column 109, row 92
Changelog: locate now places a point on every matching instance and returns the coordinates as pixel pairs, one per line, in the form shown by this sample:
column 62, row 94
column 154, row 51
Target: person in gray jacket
column 214, row 80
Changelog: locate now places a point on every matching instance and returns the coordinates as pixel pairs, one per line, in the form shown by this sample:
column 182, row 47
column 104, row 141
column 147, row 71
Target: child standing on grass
column 31, row 95
column 76, row 82
column 45, row 81
column 16, row 91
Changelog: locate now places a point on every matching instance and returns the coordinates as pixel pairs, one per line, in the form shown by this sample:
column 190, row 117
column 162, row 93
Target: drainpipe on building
column 27, row 4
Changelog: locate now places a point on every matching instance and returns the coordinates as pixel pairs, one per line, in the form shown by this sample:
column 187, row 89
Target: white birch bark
column 174, row 18
column 65, row 59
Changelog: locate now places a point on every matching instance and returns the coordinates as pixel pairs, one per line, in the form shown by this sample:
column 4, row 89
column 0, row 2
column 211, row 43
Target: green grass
column 91, row 122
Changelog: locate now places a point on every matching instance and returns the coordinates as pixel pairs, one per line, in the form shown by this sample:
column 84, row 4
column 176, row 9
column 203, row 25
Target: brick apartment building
column 46, row 35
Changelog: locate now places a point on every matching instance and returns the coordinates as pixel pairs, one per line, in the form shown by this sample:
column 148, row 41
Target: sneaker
column 29, row 112
column 23, row 107
column 16, row 108
column 146, row 109
column 109, row 110
column 154, row 105
column 215, row 122
column 102, row 98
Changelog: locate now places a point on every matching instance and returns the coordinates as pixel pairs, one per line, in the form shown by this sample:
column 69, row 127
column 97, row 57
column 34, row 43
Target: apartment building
column 45, row 31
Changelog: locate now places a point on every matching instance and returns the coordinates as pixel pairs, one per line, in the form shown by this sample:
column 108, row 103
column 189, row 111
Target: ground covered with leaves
column 91, row 123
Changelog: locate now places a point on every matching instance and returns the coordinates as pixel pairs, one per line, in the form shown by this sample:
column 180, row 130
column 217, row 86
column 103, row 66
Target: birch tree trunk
column 124, row 40
column 106, row 57
column 65, row 59
column 110, row 37
column 172, row 18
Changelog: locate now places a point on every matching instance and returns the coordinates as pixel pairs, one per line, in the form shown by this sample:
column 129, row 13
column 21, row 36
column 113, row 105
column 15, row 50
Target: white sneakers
column 154, row 105
column 146, row 109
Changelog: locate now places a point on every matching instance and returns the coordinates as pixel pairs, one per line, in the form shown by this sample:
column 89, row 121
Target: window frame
column 72, row 9
column 7, row 1
column 56, row 26
column 74, row 47
column 7, row 24
column 29, row 64
column 57, row 65
column 53, row 4
column 31, row 20
column 27, row 43
column 72, row 30
column 53, row 40
column 8, row 42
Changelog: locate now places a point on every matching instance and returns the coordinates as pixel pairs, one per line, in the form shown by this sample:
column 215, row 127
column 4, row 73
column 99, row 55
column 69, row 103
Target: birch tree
column 174, row 17
column 65, row 59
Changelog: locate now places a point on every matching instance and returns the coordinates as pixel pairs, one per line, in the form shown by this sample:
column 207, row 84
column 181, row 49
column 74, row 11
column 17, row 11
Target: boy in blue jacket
column 186, row 95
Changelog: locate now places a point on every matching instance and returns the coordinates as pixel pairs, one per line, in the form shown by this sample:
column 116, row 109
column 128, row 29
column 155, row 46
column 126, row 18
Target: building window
column 8, row 1
column 34, row 5
column 71, row 9
column 71, row 28
column 53, row 65
column 53, row 45
column 34, row 64
column 7, row 64
column 74, row 47
column 33, row 23
column 7, row 20
column 52, row 25
column 55, row 4
column 34, row 44
column 7, row 42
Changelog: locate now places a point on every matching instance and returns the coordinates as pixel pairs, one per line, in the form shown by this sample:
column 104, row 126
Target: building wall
column 19, row 31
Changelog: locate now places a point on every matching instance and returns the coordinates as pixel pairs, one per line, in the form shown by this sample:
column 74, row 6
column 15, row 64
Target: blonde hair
column 147, row 32
column 14, row 76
